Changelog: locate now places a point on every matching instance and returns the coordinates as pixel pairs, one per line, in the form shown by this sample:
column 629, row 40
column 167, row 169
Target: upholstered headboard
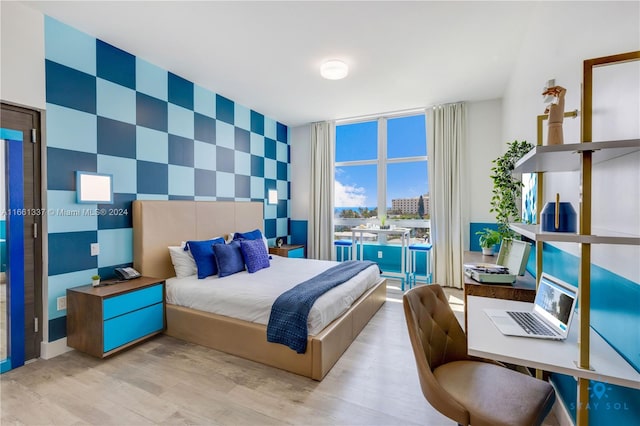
column 160, row 224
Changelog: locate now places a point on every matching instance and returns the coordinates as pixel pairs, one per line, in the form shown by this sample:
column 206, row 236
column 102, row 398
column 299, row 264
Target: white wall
column 583, row 30
column 22, row 80
column 300, row 138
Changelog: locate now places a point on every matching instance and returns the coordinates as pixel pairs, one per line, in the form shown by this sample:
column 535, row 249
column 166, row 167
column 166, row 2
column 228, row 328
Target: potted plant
column 506, row 188
column 383, row 221
column 488, row 239
column 95, row 280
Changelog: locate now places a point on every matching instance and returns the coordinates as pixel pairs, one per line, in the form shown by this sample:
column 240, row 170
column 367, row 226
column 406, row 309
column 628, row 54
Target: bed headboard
column 160, row 224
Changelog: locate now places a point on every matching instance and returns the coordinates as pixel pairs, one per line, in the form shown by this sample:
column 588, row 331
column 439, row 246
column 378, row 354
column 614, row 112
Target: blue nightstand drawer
column 299, row 252
column 132, row 301
column 126, row 328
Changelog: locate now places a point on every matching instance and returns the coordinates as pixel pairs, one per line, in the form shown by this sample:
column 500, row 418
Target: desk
column 485, row 340
column 404, row 237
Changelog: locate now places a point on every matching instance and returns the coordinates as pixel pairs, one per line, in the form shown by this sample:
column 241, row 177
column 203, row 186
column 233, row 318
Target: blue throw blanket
column 289, row 313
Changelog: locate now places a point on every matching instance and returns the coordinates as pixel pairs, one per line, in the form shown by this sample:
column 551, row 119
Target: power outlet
column 61, row 303
column 95, row 249
column 379, row 254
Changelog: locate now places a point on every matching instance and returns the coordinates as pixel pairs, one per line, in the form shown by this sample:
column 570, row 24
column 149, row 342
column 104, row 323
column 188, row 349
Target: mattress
column 249, row 297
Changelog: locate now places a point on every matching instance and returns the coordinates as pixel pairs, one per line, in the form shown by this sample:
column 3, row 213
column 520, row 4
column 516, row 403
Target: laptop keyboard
column 531, row 324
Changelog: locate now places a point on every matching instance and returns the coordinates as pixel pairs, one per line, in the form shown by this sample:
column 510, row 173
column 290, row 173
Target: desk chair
column 467, row 389
column 341, row 245
column 412, row 276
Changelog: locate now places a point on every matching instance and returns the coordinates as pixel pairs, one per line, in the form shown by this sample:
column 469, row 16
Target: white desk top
column 382, row 231
column 485, row 340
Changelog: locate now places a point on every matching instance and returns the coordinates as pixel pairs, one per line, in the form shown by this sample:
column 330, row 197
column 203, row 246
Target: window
column 381, row 171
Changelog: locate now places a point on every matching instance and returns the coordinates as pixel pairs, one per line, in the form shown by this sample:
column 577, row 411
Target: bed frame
column 159, row 224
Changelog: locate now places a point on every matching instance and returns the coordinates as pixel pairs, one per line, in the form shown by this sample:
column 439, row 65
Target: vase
column 95, row 283
column 558, row 217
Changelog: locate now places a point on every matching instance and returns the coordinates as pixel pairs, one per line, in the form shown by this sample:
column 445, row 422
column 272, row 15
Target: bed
column 160, row 224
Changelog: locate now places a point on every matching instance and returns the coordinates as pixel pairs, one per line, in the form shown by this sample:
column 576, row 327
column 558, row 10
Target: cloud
column 349, row 196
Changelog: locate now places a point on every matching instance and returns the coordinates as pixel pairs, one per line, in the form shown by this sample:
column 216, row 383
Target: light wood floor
column 168, row 381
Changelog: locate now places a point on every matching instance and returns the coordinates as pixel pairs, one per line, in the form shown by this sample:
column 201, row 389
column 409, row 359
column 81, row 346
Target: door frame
column 15, row 250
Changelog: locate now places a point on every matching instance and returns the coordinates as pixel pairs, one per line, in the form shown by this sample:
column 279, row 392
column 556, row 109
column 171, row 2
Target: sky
column 355, row 186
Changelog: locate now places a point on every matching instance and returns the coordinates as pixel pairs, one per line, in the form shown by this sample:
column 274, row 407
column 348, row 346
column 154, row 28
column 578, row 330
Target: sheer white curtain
column 320, row 230
column 446, row 125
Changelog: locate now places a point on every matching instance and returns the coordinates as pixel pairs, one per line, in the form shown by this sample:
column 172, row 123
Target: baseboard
column 49, row 350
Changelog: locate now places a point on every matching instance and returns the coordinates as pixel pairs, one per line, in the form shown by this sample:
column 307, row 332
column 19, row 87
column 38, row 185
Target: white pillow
column 183, row 261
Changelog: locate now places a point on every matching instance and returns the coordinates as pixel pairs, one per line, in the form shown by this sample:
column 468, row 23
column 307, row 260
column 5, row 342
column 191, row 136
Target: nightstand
column 107, row 319
column 288, row 250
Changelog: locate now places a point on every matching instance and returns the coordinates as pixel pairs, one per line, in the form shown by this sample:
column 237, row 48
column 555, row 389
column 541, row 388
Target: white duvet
column 249, row 297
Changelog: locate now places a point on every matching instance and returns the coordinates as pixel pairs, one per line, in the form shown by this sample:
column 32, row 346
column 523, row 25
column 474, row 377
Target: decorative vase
column 558, row 217
column 487, row 251
column 95, row 283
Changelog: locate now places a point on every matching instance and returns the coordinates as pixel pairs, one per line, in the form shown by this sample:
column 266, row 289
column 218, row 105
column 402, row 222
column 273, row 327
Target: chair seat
column 495, row 395
column 420, row 247
column 344, row 243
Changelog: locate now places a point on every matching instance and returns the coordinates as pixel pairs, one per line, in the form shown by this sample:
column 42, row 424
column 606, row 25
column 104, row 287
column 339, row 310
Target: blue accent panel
column 182, row 197
column 257, row 145
column 270, row 228
column 242, row 117
column 108, row 272
column 283, row 208
column 151, row 112
column 282, row 170
column 116, row 246
column 299, row 231
column 151, row 80
column 115, row 101
column 257, row 166
column 153, row 178
column 63, row 164
column 225, row 185
column 257, row 123
column 270, row 168
column 123, row 171
column 225, row 109
column 180, row 91
column 204, row 101
column 152, row 145
column 71, row 129
column 68, row 46
column 204, row 128
column 269, row 184
column 473, row 238
column 180, row 151
column 270, row 128
column 65, row 215
column 243, row 186
column 242, row 163
column 225, row 160
column 270, row 150
column 58, row 285
column 69, row 251
column 132, row 301
column 243, row 140
column 257, row 189
column 181, row 180
column 115, row 65
column 282, row 152
column 116, row 138
column 205, row 155
column 70, row 88
column 225, row 135
column 119, row 213
column 57, row 328
column 126, row 328
column 205, row 182
column 282, row 135
column 15, row 232
column 180, row 121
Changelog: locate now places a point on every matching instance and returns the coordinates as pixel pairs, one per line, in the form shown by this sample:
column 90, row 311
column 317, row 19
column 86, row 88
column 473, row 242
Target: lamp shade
column 334, row 69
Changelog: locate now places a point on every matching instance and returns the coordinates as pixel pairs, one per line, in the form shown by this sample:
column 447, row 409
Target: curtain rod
column 384, row 114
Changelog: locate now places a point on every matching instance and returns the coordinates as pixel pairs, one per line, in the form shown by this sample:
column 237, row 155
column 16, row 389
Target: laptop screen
column 556, row 301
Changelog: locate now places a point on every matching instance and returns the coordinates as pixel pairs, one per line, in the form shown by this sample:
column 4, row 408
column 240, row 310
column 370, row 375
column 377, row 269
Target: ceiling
column 266, row 55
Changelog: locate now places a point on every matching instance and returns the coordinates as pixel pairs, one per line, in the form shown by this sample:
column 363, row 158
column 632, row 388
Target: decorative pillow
column 254, row 254
column 183, row 262
column 204, row 256
column 256, row 234
column 228, row 258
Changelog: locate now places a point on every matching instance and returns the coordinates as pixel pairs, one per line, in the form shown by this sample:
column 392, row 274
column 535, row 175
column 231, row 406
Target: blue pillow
column 255, row 255
column 252, row 235
column 228, row 258
column 202, row 253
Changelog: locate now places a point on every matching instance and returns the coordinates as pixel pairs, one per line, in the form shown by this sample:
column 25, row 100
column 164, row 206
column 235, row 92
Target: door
column 28, row 122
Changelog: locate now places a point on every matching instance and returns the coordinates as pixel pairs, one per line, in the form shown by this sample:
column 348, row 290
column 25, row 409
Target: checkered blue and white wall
column 159, row 135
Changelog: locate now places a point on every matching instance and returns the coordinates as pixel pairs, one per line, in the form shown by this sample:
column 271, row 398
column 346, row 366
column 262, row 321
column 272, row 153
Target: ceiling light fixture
column 334, row 69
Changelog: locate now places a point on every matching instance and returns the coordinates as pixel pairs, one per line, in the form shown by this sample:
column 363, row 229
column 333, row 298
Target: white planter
column 487, row 251
column 95, row 283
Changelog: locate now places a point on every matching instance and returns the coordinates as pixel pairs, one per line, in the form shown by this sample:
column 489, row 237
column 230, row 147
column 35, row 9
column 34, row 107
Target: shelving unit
column 579, row 157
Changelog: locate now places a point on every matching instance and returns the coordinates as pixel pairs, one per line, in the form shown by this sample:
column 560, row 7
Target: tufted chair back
column 436, row 338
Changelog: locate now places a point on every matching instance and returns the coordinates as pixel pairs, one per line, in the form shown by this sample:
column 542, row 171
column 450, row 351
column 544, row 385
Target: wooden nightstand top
column 111, row 287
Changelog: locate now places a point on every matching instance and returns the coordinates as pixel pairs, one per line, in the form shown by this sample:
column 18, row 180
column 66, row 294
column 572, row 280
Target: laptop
column 550, row 317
